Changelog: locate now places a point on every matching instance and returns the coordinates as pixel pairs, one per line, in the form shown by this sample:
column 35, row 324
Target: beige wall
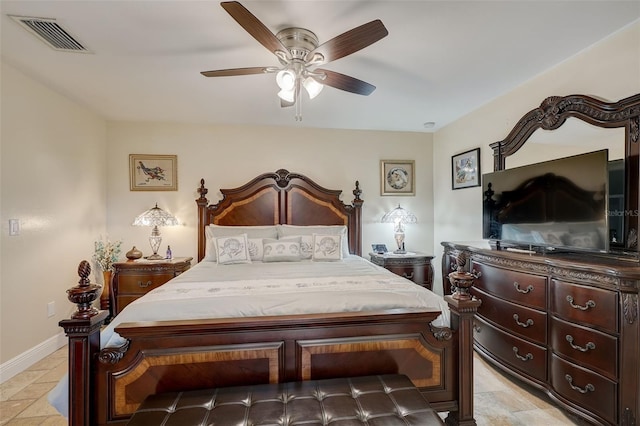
column 227, row 157
column 609, row 70
column 53, row 181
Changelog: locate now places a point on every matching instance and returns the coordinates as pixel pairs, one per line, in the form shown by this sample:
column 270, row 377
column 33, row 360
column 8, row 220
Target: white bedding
column 209, row 290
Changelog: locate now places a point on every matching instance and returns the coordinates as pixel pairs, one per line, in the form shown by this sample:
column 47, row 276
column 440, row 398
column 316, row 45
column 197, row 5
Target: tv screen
column 556, row 204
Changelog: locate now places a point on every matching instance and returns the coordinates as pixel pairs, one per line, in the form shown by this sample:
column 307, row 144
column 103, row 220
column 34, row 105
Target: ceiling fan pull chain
column 298, row 101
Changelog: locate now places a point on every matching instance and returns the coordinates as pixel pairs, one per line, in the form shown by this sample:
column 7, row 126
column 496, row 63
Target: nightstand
column 134, row 279
column 414, row 266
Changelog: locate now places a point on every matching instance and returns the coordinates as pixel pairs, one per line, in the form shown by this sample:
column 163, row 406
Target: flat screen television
column 556, row 205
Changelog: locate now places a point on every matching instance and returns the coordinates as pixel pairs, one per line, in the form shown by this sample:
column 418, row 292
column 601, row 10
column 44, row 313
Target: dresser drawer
column 585, row 346
column 418, row 274
column 585, row 388
column 528, row 358
column 519, row 287
column 526, row 322
column 141, row 284
column 584, row 304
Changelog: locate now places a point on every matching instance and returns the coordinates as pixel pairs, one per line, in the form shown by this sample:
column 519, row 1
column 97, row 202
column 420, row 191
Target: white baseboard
column 26, row 359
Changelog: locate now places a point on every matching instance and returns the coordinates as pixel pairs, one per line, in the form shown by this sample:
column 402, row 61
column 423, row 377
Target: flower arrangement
column 106, row 253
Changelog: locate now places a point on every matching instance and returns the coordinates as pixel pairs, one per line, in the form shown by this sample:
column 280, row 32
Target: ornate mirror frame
column 554, row 111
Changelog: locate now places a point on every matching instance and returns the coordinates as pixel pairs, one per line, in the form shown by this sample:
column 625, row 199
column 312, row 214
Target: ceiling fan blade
column 236, row 71
column 345, row 82
column 350, row 42
column 253, row 26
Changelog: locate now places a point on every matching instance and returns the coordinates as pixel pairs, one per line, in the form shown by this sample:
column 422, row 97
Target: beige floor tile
column 48, row 363
column 38, row 421
column 54, row 375
column 40, row 408
column 34, row 391
column 19, row 382
column 10, row 409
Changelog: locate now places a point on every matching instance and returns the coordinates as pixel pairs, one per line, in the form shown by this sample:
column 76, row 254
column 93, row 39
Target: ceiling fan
column 300, row 53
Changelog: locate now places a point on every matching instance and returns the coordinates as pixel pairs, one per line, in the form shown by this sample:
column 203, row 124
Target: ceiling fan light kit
column 299, row 53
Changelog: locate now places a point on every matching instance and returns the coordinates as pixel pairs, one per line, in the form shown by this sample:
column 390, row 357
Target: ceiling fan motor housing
column 299, row 41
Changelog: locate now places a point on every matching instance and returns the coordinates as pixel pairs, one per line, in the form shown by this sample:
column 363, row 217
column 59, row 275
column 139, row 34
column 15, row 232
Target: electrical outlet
column 14, row 227
column 51, row 309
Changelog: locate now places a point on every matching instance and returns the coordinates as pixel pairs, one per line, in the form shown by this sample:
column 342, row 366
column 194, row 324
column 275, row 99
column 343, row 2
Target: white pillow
column 283, row 250
column 211, row 232
column 306, row 245
column 255, row 249
column 290, row 230
column 327, row 247
column 234, row 249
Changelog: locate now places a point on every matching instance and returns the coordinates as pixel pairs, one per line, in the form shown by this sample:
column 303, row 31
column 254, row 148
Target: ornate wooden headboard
column 282, row 197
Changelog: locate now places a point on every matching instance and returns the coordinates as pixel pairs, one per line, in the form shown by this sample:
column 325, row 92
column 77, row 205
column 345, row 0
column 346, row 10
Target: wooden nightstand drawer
column 141, row 284
column 412, row 266
column 132, row 280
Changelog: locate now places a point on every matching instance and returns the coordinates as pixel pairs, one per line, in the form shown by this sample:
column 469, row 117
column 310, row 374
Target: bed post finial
column 357, row 191
column 84, row 293
column 202, row 190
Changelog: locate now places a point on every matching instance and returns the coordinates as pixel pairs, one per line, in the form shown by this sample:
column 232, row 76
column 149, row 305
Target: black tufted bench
column 371, row 400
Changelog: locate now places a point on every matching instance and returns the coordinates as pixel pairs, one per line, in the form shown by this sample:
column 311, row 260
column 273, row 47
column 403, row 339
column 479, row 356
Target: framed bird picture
column 153, row 172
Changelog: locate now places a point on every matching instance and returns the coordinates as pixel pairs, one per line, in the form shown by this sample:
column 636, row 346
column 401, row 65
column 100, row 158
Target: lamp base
column 399, row 251
column 154, row 256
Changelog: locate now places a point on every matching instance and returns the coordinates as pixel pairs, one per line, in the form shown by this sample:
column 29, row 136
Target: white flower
column 106, row 253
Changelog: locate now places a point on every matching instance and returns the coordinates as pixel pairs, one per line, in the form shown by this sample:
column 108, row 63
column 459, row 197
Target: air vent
column 50, row 32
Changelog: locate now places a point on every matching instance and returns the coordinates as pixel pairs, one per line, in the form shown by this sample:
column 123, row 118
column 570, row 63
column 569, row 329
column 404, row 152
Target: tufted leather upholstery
column 371, row 400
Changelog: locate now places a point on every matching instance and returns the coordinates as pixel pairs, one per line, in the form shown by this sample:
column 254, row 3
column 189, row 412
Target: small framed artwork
column 153, row 172
column 397, row 177
column 465, row 169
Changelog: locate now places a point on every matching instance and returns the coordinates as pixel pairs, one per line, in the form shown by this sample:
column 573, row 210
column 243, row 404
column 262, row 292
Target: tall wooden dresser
column 569, row 325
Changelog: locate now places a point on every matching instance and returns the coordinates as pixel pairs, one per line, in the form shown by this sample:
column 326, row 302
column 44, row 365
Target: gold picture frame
column 397, row 177
column 149, row 172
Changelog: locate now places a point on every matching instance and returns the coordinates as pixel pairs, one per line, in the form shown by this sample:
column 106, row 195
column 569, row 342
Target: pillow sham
column 282, row 250
column 256, row 251
column 214, row 231
column 289, row 230
column 326, row 247
column 234, row 249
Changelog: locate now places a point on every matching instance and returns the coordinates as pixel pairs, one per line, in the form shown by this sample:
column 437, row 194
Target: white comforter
column 209, row 290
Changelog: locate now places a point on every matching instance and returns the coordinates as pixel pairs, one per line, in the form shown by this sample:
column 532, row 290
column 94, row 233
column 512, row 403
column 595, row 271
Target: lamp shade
column 399, row 215
column 155, row 217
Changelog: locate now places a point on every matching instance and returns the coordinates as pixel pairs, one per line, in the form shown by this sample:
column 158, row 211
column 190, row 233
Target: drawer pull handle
column 527, row 357
column 589, row 346
column 527, row 324
column 408, row 276
column 529, row 288
column 590, row 304
column 144, row 285
column 588, row 388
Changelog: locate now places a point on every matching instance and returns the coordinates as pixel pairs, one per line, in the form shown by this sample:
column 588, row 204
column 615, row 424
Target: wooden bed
column 106, row 386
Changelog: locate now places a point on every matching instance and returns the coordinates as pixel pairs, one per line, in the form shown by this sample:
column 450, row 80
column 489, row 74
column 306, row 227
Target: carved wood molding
column 630, row 307
column 554, row 111
column 113, row 354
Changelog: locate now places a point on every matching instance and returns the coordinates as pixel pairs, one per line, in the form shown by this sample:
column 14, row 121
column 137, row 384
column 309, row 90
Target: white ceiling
column 440, row 61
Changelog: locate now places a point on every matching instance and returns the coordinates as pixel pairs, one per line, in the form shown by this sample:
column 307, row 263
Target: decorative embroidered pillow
column 289, row 230
column 306, row 245
column 234, row 249
column 327, row 247
column 214, row 231
column 283, row 250
column 255, row 249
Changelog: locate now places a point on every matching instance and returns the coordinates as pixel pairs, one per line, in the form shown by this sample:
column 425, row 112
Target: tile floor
column 499, row 400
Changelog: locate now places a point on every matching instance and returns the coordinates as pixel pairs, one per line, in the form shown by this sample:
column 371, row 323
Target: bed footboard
column 107, row 386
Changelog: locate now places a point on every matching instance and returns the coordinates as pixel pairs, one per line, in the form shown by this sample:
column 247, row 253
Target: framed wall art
column 465, row 169
column 397, row 177
column 153, row 172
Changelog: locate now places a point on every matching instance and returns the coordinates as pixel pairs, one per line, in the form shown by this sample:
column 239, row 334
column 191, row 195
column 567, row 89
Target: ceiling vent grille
column 50, row 32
